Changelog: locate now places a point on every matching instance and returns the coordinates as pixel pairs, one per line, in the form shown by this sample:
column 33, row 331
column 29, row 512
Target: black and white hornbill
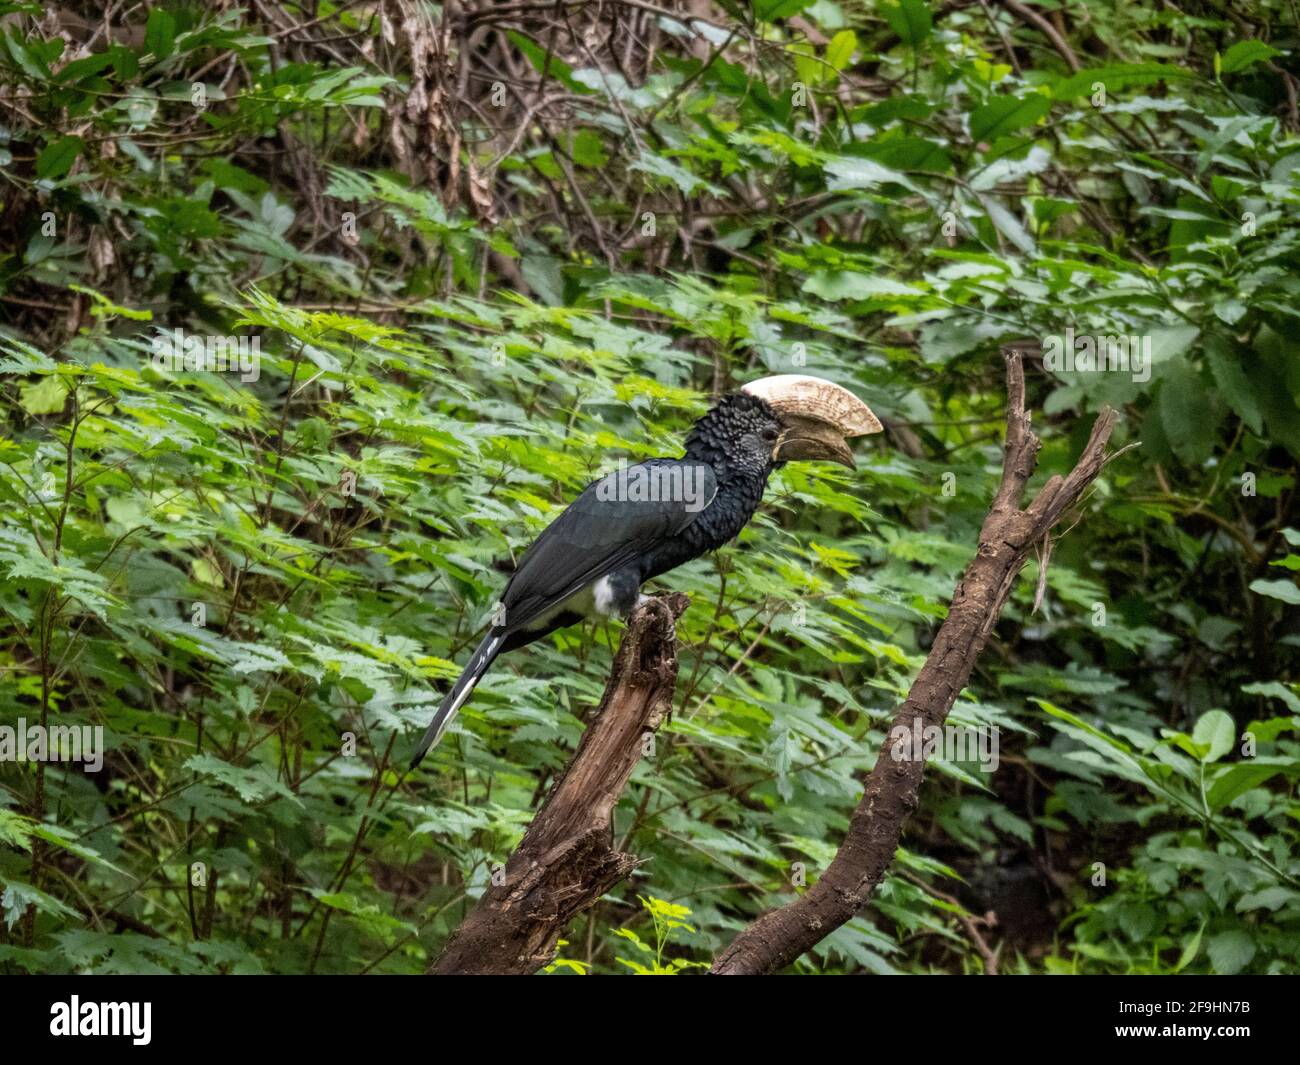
column 643, row 520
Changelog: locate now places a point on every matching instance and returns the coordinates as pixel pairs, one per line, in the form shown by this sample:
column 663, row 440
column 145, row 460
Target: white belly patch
column 595, row 600
column 602, row 594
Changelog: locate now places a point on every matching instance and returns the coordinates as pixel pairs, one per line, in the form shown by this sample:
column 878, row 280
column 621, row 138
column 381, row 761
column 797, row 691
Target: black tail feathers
column 460, row 692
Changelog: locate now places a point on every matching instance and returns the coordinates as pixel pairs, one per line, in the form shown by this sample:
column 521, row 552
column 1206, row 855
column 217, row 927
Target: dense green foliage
column 485, row 266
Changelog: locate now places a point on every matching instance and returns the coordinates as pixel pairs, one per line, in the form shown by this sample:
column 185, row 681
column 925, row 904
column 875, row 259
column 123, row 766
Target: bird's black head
column 774, row 419
column 738, row 437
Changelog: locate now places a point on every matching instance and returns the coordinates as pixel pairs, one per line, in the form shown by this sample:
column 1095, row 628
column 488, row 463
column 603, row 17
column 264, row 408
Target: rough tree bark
column 1006, row 538
column 566, row 860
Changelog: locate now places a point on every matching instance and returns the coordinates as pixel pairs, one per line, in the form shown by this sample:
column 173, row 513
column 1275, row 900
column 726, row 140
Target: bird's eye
column 770, row 435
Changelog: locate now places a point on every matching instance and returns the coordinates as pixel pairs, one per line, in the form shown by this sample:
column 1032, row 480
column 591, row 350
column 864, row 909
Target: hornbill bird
column 643, row 520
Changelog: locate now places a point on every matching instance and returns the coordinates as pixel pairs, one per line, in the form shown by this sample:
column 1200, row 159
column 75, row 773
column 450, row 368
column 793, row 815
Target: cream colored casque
column 817, row 417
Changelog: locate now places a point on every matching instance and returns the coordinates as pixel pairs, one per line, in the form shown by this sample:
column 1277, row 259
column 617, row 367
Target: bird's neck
column 728, row 473
column 711, row 440
column 706, row 450
column 740, row 491
column 738, row 496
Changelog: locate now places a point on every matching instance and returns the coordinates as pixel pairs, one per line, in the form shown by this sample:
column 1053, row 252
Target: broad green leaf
column 1230, row 376
column 1185, row 412
column 46, row 396
column 1244, row 54
column 771, row 10
column 1237, row 780
column 1285, row 590
column 1117, row 77
column 1006, row 114
column 1191, row 947
column 1216, row 733
column 57, row 157
column 160, row 33
column 910, row 19
column 1230, row 952
column 841, row 48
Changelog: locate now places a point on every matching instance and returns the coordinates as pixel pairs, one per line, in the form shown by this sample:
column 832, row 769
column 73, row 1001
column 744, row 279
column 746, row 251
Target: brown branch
column 1028, row 14
column 567, row 859
column 891, row 793
column 969, row 922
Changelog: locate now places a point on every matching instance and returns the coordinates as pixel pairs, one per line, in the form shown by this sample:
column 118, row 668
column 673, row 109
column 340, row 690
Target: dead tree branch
column 567, row 859
column 1006, row 539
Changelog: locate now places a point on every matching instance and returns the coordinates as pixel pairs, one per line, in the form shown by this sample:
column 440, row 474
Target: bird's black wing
column 599, row 533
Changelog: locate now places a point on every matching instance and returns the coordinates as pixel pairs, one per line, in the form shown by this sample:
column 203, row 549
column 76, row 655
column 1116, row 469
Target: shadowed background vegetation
column 487, row 250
